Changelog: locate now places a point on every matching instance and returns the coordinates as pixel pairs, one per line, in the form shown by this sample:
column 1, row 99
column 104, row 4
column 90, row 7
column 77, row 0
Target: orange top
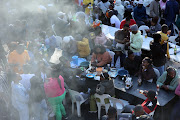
column 19, row 59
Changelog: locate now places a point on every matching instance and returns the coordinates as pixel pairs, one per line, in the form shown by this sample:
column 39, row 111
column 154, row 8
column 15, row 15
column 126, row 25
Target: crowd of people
column 33, row 88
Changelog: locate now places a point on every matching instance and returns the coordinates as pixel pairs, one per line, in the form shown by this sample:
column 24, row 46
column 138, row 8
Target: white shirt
column 116, row 21
column 104, row 6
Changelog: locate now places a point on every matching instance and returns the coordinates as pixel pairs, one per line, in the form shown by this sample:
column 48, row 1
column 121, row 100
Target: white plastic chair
column 102, row 103
column 157, row 72
column 117, row 103
column 172, row 39
column 143, row 28
column 176, row 30
column 74, row 98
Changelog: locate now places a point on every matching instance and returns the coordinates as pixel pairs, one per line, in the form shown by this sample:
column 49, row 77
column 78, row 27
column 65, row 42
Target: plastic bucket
column 75, row 60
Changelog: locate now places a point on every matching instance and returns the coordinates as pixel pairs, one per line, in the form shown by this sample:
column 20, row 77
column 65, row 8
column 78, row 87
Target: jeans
column 39, row 110
column 161, row 69
column 58, row 108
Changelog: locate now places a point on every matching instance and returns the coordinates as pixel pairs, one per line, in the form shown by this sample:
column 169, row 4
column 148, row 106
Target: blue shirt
column 140, row 13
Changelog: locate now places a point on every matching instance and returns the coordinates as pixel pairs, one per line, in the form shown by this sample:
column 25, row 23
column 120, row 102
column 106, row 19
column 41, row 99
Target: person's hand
column 169, row 32
column 145, row 92
column 147, row 30
column 165, row 87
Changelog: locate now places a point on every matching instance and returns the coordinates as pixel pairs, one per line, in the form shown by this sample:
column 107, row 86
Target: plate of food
column 90, row 75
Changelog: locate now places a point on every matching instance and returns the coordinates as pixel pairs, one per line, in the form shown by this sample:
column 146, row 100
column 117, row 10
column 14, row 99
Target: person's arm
column 177, row 91
column 161, row 79
column 137, row 44
column 152, row 14
column 104, row 60
column 174, row 85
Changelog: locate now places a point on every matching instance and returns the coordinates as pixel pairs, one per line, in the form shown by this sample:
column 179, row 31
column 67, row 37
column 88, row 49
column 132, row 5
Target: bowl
column 113, row 69
column 122, row 72
column 90, row 75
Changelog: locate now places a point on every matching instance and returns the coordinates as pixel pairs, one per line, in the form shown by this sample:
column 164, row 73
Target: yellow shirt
column 164, row 37
column 85, row 2
column 83, row 47
column 19, row 59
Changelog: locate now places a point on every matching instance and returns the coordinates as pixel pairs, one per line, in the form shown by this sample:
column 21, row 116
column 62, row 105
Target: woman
column 100, row 56
column 55, row 91
column 147, row 72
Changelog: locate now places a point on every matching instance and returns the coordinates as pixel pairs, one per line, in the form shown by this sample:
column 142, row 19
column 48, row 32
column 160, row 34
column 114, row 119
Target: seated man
column 118, row 58
column 169, row 79
column 100, row 56
column 140, row 15
column 132, row 63
column 150, row 104
column 115, row 22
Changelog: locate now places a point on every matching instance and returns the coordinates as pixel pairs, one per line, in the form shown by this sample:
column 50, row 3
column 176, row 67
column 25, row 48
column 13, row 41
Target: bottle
column 45, row 51
column 175, row 50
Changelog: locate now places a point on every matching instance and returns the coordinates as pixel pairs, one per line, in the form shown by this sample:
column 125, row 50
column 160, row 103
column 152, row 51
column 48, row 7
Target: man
column 127, row 21
column 172, row 9
column 18, row 58
column 104, row 5
column 158, row 53
column 169, row 79
column 115, row 22
column 154, row 8
column 164, row 38
column 132, row 63
column 20, row 98
column 140, row 15
column 118, row 58
column 122, row 37
column 147, row 6
column 136, row 40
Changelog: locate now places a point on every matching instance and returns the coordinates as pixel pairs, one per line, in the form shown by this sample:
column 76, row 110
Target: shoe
column 65, row 117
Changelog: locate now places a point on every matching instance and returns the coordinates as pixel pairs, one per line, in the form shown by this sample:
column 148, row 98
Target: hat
column 118, row 49
column 140, row 2
column 134, row 28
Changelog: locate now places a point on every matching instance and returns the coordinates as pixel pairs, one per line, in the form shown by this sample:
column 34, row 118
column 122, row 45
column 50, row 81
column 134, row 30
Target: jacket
column 177, row 91
column 173, row 84
column 158, row 52
column 136, row 42
column 148, row 107
column 102, row 59
column 132, row 66
column 53, row 89
column 172, row 9
column 154, row 8
column 164, row 37
column 148, row 74
column 83, row 47
column 140, row 13
column 108, row 86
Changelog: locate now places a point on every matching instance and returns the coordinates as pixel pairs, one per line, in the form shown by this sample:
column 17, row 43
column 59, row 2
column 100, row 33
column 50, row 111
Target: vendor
column 169, row 79
column 100, row 56
column 147, row 72
column 118, row 58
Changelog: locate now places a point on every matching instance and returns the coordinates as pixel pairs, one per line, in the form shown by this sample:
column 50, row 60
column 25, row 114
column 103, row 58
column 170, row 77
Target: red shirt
column 132, row 22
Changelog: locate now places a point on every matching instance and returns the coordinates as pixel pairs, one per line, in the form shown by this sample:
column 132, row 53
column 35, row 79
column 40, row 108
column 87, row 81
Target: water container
column 75, row 60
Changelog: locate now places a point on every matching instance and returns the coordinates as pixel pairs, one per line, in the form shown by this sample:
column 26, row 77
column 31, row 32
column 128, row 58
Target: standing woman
column 55, row 91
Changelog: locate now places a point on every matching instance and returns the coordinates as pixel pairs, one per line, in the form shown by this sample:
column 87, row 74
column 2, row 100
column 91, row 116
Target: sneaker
column 65, row 117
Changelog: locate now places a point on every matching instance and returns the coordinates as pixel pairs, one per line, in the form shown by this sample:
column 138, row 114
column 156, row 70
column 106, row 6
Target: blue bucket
column 75, row 60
